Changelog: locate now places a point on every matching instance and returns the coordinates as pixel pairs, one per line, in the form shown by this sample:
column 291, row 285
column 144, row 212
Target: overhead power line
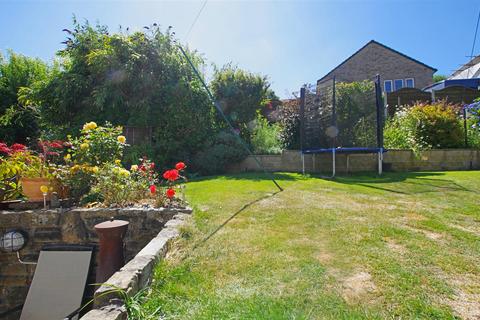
column 195, row 20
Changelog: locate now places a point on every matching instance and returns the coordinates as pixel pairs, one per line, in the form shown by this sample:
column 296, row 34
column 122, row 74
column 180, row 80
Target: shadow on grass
column 236, row 213
column 404, row 183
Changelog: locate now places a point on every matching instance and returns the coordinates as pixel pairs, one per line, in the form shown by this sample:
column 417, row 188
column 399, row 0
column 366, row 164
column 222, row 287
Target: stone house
column 396, row 69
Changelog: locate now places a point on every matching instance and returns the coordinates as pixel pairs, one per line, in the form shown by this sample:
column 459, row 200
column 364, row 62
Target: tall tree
column 19, row 118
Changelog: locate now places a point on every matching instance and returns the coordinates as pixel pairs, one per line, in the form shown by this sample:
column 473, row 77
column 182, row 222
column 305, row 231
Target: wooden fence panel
column 457, row 94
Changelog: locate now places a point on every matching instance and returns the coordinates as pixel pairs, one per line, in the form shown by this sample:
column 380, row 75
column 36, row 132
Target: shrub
column 290, row 124
column 223, row 150
column 425, row 126
column 266, row 137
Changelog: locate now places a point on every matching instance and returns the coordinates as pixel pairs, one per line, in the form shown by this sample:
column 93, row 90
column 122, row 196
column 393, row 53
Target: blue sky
column 293, row 42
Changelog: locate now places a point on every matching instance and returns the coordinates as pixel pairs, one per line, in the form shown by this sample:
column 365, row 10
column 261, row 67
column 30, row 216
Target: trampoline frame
column 379, row 150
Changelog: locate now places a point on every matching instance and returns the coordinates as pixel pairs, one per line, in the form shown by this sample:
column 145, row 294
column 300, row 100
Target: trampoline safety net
column 342, row 115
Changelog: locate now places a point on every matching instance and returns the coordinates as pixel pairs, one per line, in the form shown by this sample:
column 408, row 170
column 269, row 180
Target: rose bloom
column 171, row 175
column 121, row 139
column 170, row 193
column 153, row 189
column 180, row 166
column 89, row 126
column 134, row 167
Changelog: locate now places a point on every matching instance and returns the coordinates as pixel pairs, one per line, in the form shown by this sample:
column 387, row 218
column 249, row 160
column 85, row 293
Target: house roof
column 380, row 44
column 470, row 69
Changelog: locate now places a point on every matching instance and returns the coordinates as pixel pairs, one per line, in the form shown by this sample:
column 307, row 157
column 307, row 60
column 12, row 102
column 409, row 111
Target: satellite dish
column 332, row 131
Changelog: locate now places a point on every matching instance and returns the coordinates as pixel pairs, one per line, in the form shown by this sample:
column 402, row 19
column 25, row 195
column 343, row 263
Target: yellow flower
column 44, row 189
column 67, row 157
column 74, row 168
column 124, row 173
column 84, row 146
column 89, row 126
column 134, row 168
column 94, row 169
column 121, row 139
column 118, row 161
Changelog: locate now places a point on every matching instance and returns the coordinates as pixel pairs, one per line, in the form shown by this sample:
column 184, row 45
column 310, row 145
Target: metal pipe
column 24, row 262
column 110, row 255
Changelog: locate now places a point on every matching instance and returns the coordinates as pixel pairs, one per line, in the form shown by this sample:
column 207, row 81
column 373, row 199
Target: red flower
column 142, row 168
column 5, row 149
column 170, row 193
column 152, row 166
column 18, row 147
column 180, row 166
column 171, row 175
column 57, row 144
column 153, row 189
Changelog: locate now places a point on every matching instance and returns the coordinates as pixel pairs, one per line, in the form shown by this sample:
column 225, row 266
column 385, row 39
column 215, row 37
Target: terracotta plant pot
column 31, row 188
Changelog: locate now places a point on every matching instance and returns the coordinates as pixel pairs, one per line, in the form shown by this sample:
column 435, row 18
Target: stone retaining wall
column 75, row 226
column 394, row 160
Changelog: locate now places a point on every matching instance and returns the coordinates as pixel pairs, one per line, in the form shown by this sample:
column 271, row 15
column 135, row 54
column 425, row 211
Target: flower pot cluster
column 88, row 169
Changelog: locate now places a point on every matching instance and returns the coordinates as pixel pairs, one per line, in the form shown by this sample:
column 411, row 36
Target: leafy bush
column 223, row 150
column 266, row 137
column 425, row 126
column 240, row 94
column 19, row 117
column 290, row 124
column 135, row 79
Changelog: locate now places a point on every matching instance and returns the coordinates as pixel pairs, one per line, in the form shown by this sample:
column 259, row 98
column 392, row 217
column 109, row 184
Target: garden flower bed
column 73, row 185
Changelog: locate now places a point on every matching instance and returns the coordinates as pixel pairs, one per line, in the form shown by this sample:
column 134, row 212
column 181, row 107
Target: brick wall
column 75, row 226
column 376, row 59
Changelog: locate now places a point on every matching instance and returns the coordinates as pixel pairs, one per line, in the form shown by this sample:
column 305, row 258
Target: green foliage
column 290, row 124
column 438, row 78
column 138, row 79
column 115, row 185
column 97, row 145
column 10, row 169
column 223, row 150
column 266, row 137
column 19, row 115
column 356, row 113
column 425, row 126
column 240, row 94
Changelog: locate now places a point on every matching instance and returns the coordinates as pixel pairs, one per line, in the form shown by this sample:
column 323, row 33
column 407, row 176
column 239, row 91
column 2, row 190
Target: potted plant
column 37, row 170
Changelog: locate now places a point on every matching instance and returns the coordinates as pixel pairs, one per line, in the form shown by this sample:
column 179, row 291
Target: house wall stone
column 375, row 59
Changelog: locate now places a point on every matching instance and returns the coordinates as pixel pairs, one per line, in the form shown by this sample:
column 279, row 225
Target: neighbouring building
column 396, row 69
column 470, row 70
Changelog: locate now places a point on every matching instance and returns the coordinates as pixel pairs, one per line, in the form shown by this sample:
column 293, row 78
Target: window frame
column 395, row 86
column 413, row 82
column 385, row 88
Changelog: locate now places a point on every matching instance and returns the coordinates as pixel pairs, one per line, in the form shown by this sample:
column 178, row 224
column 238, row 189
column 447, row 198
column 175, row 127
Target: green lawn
column 403, row 246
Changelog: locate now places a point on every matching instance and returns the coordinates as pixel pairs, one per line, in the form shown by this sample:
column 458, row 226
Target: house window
column 398, row 84
column 387, row 86
column 409, row 83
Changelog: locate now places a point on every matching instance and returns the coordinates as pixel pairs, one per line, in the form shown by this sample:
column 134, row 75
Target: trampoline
column 349, row 123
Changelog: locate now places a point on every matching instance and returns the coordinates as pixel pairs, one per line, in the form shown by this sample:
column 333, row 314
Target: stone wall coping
column 137, row 273
column 97, row 209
